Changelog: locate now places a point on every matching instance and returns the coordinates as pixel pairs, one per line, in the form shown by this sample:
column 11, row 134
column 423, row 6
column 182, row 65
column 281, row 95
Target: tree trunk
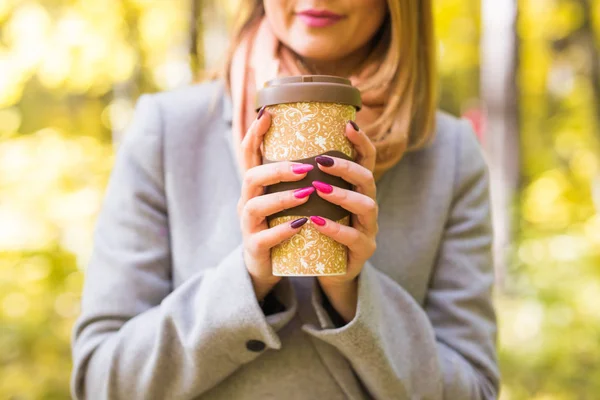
column 499, row 61
column 196, row 42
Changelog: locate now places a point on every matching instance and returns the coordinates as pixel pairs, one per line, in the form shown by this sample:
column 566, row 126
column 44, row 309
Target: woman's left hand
column 342, row 291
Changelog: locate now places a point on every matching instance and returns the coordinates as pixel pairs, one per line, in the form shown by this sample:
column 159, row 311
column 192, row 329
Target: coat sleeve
column 445, row 349
column 137, row 336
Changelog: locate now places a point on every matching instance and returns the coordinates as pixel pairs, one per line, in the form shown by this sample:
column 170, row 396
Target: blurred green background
column 71, row 71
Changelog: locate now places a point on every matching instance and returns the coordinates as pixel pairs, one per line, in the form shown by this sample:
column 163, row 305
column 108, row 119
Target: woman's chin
column 321, row 52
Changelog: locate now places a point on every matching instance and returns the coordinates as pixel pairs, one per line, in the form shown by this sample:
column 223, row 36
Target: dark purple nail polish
column 356, row 128
column 324, row 161
column 260, row 112
column 299, row 222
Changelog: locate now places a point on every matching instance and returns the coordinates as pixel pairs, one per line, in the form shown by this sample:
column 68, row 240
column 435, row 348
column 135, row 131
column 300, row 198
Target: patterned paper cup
column 305, row 125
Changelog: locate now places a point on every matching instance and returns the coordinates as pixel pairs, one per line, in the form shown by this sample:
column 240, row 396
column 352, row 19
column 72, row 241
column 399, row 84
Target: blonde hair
column 408, row 68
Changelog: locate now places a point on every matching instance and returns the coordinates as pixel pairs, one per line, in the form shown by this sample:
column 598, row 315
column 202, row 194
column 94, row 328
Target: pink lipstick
column 319, row 18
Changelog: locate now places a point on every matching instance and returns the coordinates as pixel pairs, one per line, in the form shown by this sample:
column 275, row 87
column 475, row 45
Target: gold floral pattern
column 308, row 252
column 302, row 130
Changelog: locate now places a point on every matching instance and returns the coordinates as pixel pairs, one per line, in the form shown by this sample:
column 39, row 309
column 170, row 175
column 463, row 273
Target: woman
column 179, row 301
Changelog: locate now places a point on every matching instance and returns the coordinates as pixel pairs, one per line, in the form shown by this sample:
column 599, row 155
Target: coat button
column 255, row 345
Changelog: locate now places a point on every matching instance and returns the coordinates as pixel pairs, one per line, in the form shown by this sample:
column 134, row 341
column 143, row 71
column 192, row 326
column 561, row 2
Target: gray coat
column 168, row 309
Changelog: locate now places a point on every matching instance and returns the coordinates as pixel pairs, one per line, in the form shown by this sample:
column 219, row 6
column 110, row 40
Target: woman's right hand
column 254, row 206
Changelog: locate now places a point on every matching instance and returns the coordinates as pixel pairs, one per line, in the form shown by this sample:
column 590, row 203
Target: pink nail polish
column 317, row 220
column 304, row 192
column 323, row 187
column 302, row 168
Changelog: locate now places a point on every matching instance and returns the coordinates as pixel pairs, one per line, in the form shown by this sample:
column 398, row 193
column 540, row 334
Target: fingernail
column 324, row 161
column 302, row 168
column 323, row 187
column 317, row 220
column 260, row 112
column 304, row 192
column 356, row 128
column 299, row 222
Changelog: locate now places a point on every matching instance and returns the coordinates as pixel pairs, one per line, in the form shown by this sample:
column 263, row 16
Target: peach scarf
column 261, row 57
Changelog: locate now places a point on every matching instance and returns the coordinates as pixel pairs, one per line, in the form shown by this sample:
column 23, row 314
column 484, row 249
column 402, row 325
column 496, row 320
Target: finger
column 251, row 155
column 258, row 208
column 364, row 147
column 363, row 206
column 268, row 174
column 351, row 172
column 356, row 240
column 356, row 203
column 266, row 239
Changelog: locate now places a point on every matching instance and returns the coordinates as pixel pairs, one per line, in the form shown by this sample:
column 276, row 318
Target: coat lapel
column 339, row 367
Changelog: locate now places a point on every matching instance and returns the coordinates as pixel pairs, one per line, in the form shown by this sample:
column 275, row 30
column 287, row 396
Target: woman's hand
column 342, row 291
column 254, row 206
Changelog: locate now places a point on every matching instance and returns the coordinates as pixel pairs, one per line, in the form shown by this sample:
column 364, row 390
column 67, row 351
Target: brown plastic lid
column 309, row 88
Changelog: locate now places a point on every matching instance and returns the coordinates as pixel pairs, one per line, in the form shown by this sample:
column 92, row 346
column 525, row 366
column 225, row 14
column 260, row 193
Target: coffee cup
column 309, row 116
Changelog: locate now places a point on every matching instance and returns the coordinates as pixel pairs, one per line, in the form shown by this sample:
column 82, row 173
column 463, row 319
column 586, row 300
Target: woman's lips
column 319, row 18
